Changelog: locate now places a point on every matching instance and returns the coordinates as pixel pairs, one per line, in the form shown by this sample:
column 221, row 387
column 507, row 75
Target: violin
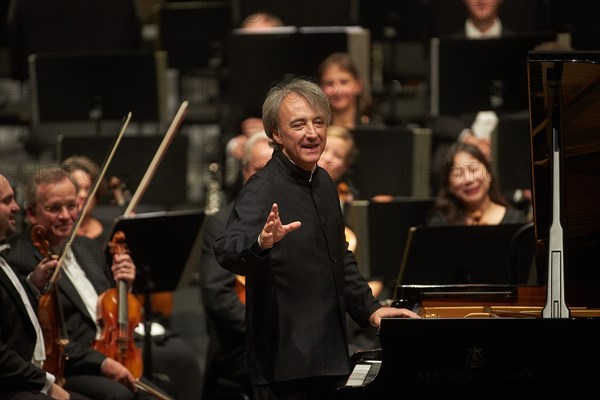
column 119, row 313
column 161, row 302
column 50, row 316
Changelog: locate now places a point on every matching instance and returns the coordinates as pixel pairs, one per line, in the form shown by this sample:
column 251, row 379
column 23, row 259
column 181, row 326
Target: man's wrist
column 36, row 291
column 260, row 244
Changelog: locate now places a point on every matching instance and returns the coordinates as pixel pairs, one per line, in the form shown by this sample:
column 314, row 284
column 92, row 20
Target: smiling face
column 56, row 210
column 469, row 180
column 302, row 132
column 341, row 87
column 8, row 209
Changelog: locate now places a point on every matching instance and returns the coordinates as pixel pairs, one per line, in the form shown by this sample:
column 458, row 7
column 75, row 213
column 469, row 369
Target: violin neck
column 123, row 317
column 61, row 315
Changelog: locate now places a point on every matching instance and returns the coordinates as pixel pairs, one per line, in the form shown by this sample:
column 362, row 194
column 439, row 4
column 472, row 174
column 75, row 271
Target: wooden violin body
column 54, row 340
column 119, row 313
column 50, row 317
column 116, row 339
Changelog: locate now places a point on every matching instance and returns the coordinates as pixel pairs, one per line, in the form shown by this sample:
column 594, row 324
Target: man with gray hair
column 285, row 234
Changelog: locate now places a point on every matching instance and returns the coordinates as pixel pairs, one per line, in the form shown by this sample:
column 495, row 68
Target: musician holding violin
column 51, row 205
column 22, row 352
column 170, row 354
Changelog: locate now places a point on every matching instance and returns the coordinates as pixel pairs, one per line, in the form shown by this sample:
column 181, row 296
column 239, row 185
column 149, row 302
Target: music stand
column 159, row 254
column 169, row 185
column 461, row 255
column 468, row 76
column 86, row 92
column 381, row 229
column 400, row 168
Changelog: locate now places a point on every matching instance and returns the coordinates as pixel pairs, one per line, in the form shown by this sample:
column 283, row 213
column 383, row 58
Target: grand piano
column 532, row 340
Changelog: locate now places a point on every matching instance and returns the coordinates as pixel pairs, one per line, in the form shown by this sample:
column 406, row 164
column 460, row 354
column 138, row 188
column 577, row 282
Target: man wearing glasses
column 51, row 202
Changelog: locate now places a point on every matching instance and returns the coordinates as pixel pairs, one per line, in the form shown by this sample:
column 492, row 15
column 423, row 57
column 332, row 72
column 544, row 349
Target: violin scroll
column 38, row 233
column 117, row 245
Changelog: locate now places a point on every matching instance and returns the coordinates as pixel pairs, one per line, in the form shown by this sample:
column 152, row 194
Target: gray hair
column 47, row 175
column 252, row 140
column 301, row 87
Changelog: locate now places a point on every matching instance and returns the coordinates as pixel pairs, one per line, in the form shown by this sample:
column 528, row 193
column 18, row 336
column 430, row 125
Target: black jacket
column 298, row 292
column 17, row 341
column 80, row 326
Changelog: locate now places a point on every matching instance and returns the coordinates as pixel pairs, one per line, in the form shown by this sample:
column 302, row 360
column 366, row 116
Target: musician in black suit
column 226, row 363
column 22, row 350
column 51, row 203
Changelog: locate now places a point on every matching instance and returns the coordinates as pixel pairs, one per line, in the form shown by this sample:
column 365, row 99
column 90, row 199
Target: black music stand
column 160, row 244
column 462, row 255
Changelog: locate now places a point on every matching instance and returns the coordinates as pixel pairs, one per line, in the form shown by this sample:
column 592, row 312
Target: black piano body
column 475, row 358
column 498, row 357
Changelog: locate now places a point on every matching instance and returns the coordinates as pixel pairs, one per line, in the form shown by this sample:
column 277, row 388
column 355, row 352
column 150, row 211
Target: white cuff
column 50, row 379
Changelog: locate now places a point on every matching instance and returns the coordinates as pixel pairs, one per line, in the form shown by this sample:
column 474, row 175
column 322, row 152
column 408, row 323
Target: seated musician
column 469, row 192
column 22, row 351
column 223, row 304
column 172, row 355
column 51, row 201
column 84, row 172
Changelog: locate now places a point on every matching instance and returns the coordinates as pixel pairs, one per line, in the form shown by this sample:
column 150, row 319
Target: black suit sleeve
column 217, row 284
column 17, row 373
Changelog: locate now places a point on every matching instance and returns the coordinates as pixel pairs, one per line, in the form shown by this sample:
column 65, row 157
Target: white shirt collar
column 494, row 32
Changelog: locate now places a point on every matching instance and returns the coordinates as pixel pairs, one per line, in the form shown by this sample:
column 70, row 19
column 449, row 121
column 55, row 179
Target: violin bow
column 158, row 156
column 86, row 204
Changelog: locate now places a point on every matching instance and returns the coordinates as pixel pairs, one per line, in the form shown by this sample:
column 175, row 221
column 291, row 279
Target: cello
column 50, row 316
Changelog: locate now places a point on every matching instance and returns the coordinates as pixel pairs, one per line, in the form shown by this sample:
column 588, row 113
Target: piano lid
column 564, row 93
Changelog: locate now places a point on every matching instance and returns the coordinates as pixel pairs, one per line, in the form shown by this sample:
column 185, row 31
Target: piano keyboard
column 363, row 373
